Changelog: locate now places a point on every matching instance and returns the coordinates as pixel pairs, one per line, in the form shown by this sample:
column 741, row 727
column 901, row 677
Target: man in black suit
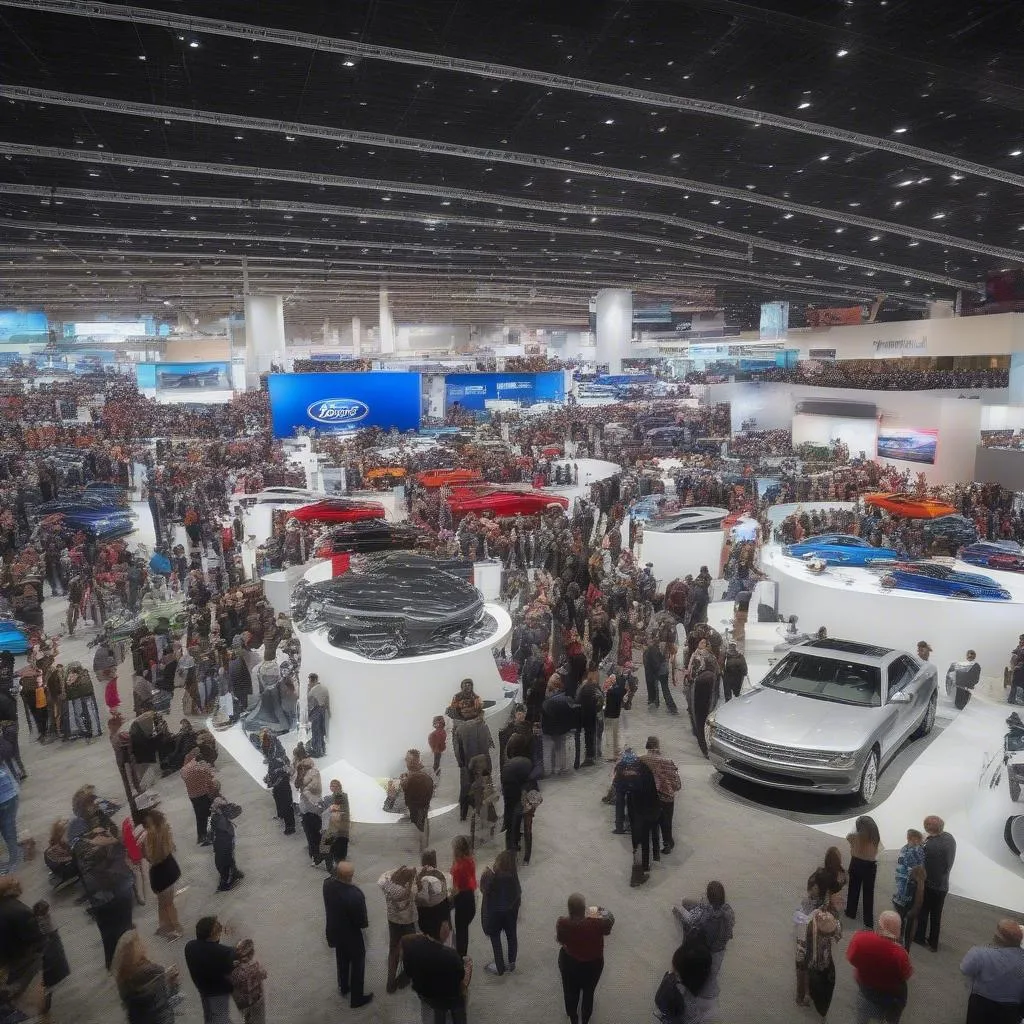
column 345, row 906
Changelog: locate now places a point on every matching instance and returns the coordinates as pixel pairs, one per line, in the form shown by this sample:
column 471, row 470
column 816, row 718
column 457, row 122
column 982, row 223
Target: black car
column 366, row 536
column 958, row 530
column 404, row 609
column 414, row 562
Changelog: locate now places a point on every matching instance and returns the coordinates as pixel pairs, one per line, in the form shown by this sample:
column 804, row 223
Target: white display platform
column 591, row 470
column 851, row 604
column 949, row 779
column 383, row 708
column 681, row 554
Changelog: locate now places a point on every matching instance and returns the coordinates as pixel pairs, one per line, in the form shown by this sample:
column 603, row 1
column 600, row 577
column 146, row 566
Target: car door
column 905, row 677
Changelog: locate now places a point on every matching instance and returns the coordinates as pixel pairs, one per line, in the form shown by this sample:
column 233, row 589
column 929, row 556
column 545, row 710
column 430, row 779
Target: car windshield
column 844, row 682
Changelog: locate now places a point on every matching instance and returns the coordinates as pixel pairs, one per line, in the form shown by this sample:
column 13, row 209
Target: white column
column 264, row 335
column 387, row 325
column 614, row 326
column 356, row 337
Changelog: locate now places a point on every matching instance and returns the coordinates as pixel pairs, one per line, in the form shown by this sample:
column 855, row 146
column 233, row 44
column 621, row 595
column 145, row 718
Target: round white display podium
column 852, row 605
column 681, row 554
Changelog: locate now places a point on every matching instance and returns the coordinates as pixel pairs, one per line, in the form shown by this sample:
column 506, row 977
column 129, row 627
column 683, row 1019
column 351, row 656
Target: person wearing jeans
column 499, row 911
column 197, row 774
column 581, row 959
column 9, row 819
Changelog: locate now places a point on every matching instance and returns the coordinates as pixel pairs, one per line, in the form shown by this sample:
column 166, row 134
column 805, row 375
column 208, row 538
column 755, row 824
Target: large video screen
column 333, row 402
column 208, row 376
column 474, row 390
column 909, row 444
column 23, row 325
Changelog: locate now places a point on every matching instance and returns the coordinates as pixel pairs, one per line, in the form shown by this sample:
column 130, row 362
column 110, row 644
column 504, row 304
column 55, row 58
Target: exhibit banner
column 847, row 316
column 474, row 390
column 335, row 402
column 24, row 325
column 908, row 444
column 207, row 376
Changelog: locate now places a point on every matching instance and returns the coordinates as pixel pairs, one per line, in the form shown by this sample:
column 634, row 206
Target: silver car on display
column 826, row 718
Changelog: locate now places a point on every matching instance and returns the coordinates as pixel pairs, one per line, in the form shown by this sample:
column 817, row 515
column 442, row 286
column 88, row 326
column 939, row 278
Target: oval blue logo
column 337, row 411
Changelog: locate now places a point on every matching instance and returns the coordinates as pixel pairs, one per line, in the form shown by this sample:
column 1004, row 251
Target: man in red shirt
column 881, row 968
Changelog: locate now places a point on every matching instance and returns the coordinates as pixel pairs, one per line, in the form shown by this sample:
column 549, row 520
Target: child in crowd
column 909, row 892
column 438, row 741
column 247, row 983
column 55, row 961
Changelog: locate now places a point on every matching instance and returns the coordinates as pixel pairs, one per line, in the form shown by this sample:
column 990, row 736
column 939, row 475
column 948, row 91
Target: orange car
column 440, row 477
column 908, row 506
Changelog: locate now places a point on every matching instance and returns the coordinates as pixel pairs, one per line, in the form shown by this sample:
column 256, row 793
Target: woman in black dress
column 158, row 844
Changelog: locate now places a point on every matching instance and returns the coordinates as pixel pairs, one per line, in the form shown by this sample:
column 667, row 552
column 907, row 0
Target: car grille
column 771, row 751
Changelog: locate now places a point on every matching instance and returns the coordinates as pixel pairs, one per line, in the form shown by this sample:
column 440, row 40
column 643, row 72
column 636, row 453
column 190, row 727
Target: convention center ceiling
column 515, row 155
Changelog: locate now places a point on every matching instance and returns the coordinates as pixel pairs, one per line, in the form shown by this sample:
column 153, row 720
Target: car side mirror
column 900, row 698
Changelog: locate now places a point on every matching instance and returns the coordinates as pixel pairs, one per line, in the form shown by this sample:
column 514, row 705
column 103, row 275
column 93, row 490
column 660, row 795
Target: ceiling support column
column 614, row 315
column 264, row 336
column 387, row 325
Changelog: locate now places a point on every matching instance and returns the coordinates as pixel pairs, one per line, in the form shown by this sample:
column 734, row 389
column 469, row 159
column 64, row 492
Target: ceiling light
column 904, row 184
column 289, row 138
column 142, row 56
column 194, row 45
column 662, row 128
column 823, row 157
column 348, row 63
column 715, row 202
column 593, row 220
column 912, row 244
column 611, row 120
column 938, row 216
column 899, row 131
column 803, row 106
column 957, row 177
column 839, row 231
column 1016, row 152
column 876, row 238
column 921, row 181
column 167, row 302
column 842, row 53
column 787, row 216
column 385, row 199
column 238, row 138
column 899, row 202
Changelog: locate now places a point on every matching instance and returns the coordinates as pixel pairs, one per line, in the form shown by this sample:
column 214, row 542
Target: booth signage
column 474, row 390
column 899, row 346
column 335, row 402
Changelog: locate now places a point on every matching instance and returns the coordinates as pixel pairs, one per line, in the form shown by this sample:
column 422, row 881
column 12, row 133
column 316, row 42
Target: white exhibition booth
column 681, row 554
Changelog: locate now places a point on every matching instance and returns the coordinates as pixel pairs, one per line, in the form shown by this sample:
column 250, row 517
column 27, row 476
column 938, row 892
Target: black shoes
column 368, row 998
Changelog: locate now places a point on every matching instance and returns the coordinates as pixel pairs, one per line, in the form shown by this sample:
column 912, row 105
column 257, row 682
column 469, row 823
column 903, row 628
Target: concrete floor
column 761, row 855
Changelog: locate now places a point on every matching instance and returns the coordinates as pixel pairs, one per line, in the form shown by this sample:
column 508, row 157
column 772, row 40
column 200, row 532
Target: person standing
column 247, row 984
column 997, row 977
column 499, row 909
column 210, row 963
column 939, row 855
column 222, row 825
column 345, row 911
column 516, row 776
column 146, row 989
column 865, row 844
column 310, row 787
column 9, row 819
column 158, row 849
column 439, row 976
column 712, row 918
column 703, row 673
column 108, row 882
column 399, row 888
column 966, row 675
column 734, row 671
column 581, row 935
column 197, row 774
column 319, row 708
column 656, row 674
column 433, row 901
column 464, row 885
column 590, row 700
column 614, row 696
column 557, row 716
column 881, row 968
column 908, row 895
column 824, row 930
column 668, row 783
column 418, row 789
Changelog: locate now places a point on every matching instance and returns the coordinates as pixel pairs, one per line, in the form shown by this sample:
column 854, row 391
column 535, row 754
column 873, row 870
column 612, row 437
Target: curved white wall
column 681, row 554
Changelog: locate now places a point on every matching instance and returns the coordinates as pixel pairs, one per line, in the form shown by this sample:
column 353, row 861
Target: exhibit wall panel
column 999, row 466
column 994, row 335
column 858, row 434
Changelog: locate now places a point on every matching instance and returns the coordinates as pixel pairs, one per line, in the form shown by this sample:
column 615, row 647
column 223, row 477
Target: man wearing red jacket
column 881, row 968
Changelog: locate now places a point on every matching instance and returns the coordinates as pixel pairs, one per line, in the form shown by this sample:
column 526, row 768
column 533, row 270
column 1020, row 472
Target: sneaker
column 512, row 968
column 492, row 968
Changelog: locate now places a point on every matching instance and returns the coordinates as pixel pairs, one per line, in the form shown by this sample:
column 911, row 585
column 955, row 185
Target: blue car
column 842, row 549
column 935, row 578
column 647, row 508
column 13, row 637
column 1002, row 554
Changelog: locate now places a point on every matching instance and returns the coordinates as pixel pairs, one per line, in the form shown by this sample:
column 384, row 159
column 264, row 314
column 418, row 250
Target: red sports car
column 504, row 502
column 338, row 510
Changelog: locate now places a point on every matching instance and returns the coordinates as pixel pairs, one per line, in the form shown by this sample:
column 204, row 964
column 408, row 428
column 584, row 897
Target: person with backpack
column 711, row 918
column 734, row 671
column 688, row 994
column 635, row 781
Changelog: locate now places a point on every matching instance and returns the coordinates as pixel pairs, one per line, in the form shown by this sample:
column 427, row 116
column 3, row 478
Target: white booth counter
column 851, row 604
column 681, row 554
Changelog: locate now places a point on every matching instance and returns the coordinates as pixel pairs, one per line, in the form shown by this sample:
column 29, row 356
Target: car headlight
column 842, row 761
column 709, row 727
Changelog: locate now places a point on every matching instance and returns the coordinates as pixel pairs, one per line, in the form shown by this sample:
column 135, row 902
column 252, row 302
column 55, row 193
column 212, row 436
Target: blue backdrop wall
column 342, row 401
column 472, row 390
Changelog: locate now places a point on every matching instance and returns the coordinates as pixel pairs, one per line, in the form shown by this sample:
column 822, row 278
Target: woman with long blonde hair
column 145, row 988
column 158, row 846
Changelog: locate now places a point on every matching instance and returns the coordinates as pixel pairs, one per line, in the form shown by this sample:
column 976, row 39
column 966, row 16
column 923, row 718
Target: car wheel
column 869, row 778
column 928, row 722
column 963, row 595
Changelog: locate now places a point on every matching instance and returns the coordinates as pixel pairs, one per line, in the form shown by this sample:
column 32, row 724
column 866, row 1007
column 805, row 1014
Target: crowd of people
column 592, row 630
column 867, row 374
